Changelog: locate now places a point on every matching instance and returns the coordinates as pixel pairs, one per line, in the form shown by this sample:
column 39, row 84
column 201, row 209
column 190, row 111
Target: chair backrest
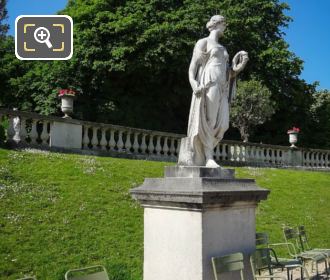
column 262, row 239
column 260, row 260
column 97, row 272
column 291, row 236
column 228, row 263
column 303, row 238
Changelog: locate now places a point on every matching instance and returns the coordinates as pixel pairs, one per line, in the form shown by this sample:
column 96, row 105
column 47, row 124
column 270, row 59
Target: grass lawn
column 62, row 211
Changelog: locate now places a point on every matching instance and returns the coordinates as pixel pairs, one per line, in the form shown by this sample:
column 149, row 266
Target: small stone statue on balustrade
column 213, row 83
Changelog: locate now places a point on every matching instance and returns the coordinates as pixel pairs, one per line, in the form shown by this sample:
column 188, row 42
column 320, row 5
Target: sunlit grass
column 62, row 211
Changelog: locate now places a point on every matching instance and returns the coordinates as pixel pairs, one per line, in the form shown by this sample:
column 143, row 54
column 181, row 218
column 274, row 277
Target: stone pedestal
column 193, row 214
column 66, row 135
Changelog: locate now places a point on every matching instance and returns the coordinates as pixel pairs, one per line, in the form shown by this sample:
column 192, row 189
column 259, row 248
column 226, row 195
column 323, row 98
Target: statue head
column 215, row 22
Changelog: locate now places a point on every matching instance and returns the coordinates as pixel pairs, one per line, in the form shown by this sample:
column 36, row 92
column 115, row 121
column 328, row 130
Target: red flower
column 64, row 92
column 294, row 130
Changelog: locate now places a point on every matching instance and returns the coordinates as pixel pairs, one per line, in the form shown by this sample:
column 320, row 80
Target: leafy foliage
column 320, row 116
column 131, row 60
column 3, row 16
column 252, row 106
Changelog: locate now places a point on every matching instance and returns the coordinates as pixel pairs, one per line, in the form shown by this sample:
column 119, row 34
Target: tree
column 252, row 106
column 132, row 55
column 320, row 120
column 10, row 67
column 3, row 16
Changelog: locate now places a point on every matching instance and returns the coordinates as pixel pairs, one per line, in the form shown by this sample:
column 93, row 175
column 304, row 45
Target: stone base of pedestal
column 66, row 135
column 193, row 214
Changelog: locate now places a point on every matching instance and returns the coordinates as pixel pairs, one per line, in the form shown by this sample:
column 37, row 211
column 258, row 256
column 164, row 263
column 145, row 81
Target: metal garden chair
column 261, row 260
column 294, row 249
column 228, row 263
column 97, row 272
column 262, row 241
column 305, row 245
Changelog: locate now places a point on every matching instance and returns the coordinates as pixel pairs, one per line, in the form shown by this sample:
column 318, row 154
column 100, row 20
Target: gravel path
column 296, row 273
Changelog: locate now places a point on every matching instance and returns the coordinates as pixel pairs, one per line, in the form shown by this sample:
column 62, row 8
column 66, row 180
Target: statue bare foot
column 211, row 163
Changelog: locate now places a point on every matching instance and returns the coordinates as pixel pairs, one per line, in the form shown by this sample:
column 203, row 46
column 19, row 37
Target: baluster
column 165, row 147
column 34, row 133
column 177, row 150
column 273, row 156
column 103, row 142
column 95, row 140
column 267, row 157
column 247, row 153
column 264, row 155
column 217, row 152
column 112, row 142
column 241, row 153
column 158, row 146
column 136, row 143
column 319, row 157
column 314, row 159
column 326, row 159
column 23, row 132
column 258, row 154
column 172, row 147
column 120, row 143
column 224, row 153
column 230, row 152
column 322, row 159
column 44, row 136
column 143, row 144
column 128, row 143
column 281, row 158
column 311, row 158
column 86, row 139
column 235, row 153
column 276, row 158
column 151, row 146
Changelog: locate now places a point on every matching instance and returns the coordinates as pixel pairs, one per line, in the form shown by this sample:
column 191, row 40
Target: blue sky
column 308, row 35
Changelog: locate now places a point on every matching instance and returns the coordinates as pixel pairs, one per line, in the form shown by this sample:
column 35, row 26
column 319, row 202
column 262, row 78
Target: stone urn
column 293, row 136
column 67, row 97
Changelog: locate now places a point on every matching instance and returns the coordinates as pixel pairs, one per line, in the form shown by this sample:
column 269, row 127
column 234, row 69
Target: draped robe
column 204, row 134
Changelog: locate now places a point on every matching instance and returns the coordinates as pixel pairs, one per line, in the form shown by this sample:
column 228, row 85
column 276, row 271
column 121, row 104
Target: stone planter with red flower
column 67, row 96
column 293, row 136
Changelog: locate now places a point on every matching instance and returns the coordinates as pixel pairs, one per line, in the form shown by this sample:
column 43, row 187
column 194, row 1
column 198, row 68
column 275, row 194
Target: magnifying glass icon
column 41, row 35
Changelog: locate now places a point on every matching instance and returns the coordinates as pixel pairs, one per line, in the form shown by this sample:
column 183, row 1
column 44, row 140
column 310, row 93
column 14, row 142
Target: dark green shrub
column 3, row 128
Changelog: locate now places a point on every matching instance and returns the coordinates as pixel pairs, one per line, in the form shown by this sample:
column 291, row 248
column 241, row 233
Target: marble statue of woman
column 213, row 82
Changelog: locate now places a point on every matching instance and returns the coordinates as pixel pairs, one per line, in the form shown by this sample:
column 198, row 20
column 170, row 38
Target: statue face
column 221, row 27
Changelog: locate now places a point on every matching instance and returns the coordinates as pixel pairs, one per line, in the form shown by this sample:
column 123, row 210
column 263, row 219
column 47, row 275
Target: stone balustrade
column 27, row 129
column 130, row 141
column 33, row 130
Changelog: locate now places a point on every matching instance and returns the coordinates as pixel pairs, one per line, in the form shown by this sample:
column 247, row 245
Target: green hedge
column 3, row 128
